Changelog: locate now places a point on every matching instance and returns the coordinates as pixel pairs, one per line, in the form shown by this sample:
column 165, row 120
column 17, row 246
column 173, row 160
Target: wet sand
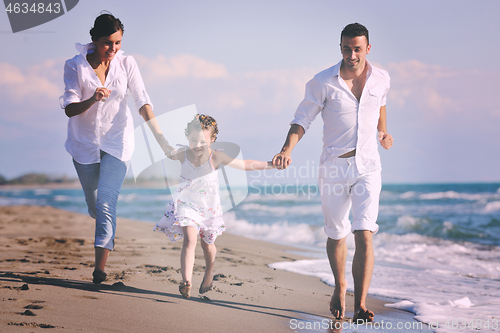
column 46, row 264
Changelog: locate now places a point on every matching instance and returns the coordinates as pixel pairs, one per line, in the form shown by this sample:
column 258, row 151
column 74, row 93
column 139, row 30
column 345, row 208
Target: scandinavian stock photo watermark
column 335, row 176
column 309, row 180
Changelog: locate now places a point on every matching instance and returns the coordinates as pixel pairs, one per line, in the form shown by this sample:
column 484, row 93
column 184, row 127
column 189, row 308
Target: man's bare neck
column 355, row 81
column 347, row 74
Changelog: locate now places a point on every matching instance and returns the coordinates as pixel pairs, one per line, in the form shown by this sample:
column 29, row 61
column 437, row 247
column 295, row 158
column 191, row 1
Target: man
column 351, row 97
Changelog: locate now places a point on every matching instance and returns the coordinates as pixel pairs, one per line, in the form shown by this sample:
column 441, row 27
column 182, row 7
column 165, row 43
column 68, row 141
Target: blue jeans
column 101, row 183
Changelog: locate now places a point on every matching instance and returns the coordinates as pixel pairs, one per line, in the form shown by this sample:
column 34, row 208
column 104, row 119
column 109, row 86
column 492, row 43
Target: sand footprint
column 31, row 325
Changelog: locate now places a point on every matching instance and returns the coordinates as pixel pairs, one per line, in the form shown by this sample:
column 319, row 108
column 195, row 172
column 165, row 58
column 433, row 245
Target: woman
column 100, row 127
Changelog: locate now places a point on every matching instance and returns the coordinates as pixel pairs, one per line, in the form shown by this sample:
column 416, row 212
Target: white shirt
column 106, row 126
column 348, row 124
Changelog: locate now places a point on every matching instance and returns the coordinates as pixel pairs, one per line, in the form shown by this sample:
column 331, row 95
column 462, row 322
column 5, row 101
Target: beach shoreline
column 45, row 281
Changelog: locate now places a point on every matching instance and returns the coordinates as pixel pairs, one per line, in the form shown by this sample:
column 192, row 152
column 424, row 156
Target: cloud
column 431, row 108
column 427, row 91
column 417, row 83
column 184, row 65
column 229, row 101
column 441, row 93
column 29, row 99
column 187, row 79
column 33, row 85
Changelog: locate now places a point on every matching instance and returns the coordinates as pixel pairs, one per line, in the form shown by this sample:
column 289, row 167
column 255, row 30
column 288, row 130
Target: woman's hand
column 101, row 94
column 169, row 151
column 75, row 109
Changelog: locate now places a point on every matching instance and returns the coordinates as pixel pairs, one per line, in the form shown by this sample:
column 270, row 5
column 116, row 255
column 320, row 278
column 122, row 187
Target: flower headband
column 202, row 117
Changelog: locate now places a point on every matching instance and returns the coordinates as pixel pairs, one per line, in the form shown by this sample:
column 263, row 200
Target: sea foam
column 438, row 280
column 281, row 232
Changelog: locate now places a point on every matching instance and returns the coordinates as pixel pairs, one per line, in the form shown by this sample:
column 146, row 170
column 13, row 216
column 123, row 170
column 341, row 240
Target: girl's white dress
column 196, row 202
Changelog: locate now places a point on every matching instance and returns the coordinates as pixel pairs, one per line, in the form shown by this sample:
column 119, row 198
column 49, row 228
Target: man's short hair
column 354, row 30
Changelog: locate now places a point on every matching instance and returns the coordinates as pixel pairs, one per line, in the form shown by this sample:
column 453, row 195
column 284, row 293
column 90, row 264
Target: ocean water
column 437, row 251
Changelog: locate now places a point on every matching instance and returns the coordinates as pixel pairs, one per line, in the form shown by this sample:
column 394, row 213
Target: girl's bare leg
column 187, row 252
column 187, row 259
column 209, row 251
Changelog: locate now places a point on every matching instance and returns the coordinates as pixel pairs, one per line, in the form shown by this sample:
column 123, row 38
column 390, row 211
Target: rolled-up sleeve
column 384, row 97
column 135, row 83
column 72, row 88
column 312, row 104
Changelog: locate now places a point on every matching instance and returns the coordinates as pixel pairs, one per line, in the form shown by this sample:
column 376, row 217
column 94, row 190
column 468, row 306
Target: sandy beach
column 46, row 262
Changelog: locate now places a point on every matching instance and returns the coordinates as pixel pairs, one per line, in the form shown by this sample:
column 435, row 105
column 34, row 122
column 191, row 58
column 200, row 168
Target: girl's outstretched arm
column 247, row 165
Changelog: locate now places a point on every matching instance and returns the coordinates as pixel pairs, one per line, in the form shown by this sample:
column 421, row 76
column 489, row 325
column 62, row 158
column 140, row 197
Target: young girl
column 195, row 207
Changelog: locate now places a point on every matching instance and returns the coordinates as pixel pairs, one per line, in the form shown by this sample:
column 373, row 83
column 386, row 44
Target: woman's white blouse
column 106, row 126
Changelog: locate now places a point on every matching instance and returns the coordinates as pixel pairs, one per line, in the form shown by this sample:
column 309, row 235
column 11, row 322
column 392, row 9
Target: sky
column 246, row 63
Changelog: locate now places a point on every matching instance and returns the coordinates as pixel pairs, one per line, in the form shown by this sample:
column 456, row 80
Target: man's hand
column 282, row 160
column 385, row 139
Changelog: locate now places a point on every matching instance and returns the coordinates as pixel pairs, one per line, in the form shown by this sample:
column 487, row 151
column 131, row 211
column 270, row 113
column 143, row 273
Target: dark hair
column 355, row 30
column 105, row 25
column 203, row 122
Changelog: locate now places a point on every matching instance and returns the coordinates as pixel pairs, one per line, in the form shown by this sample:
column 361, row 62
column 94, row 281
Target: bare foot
column 185, row 289
column 363, row 316
column 99, row 276
column 337, row 303
column 205, row 286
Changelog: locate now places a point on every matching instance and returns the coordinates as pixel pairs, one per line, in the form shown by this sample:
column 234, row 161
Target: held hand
column 169, row 151
column 172, row 154
column 385, row 139
column 101, row 94
column 281, row 161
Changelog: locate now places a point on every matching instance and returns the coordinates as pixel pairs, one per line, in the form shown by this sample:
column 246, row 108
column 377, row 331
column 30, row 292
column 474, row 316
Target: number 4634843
column 476, row 324
column 36, row 8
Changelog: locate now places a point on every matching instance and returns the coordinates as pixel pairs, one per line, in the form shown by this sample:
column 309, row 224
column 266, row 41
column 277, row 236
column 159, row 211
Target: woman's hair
column 203, row 122
column 105, row 25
